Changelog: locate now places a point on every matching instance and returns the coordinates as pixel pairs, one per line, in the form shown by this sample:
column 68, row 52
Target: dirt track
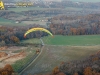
column 8, row 57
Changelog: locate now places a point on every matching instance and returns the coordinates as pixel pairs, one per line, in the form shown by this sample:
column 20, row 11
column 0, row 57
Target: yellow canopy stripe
column 37, row 29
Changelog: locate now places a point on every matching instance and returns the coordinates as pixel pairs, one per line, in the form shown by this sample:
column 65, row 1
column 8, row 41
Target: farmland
column 7, row 22
column 61, row 49
column 54, row 55
column 76, row 37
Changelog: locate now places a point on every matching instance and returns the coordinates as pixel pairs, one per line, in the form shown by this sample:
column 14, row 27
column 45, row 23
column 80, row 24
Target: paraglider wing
column 37, row 29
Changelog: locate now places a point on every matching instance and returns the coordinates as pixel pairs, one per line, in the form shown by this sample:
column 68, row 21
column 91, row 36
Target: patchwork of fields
column 57, row 49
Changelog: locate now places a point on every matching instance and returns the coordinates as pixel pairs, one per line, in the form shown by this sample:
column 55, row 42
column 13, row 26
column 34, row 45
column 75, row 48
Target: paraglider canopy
column 37, row 29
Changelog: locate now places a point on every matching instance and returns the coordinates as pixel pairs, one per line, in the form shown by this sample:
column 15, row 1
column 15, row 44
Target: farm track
column 32, row 64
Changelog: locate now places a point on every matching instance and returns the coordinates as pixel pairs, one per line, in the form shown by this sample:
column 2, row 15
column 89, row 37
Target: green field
column 5, row 20
column 23, row 23
column 74, row 8
column 20, row 9
column 68, row 40
column 10, row 22
column 34, row 41
column 34, row 22
column 74, row 40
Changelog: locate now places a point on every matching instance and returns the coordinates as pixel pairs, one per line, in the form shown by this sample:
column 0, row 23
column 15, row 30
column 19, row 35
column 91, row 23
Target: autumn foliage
column 56, row 70
column 88, row 71
column 75, row 25
column 75, row 73
column 6, row 70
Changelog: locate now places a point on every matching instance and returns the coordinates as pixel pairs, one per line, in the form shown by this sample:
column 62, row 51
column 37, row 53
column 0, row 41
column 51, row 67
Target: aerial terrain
column 48, row 37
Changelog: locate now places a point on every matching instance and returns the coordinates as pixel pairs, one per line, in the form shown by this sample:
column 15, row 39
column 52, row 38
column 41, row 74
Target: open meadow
column 7, row 22
column 20, row 9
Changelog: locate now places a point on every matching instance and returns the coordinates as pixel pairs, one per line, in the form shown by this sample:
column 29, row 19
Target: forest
column 76, row 25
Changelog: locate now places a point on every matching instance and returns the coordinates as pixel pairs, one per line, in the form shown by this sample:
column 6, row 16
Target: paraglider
column 37, row 29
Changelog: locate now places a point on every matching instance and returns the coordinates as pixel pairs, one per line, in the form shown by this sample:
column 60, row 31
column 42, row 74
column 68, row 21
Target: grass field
column 34, row 40
column 73, row 8
column 20, row 9
column 23, row 23
column 34, row 22
column 3, row 20
column 10, row 22
column 68, row 40
column 74, row 40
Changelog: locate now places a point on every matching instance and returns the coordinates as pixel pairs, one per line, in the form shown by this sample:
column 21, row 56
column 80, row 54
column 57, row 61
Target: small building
column 18, row 21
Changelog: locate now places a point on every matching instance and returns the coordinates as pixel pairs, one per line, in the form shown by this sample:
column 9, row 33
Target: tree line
column 14, row 34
